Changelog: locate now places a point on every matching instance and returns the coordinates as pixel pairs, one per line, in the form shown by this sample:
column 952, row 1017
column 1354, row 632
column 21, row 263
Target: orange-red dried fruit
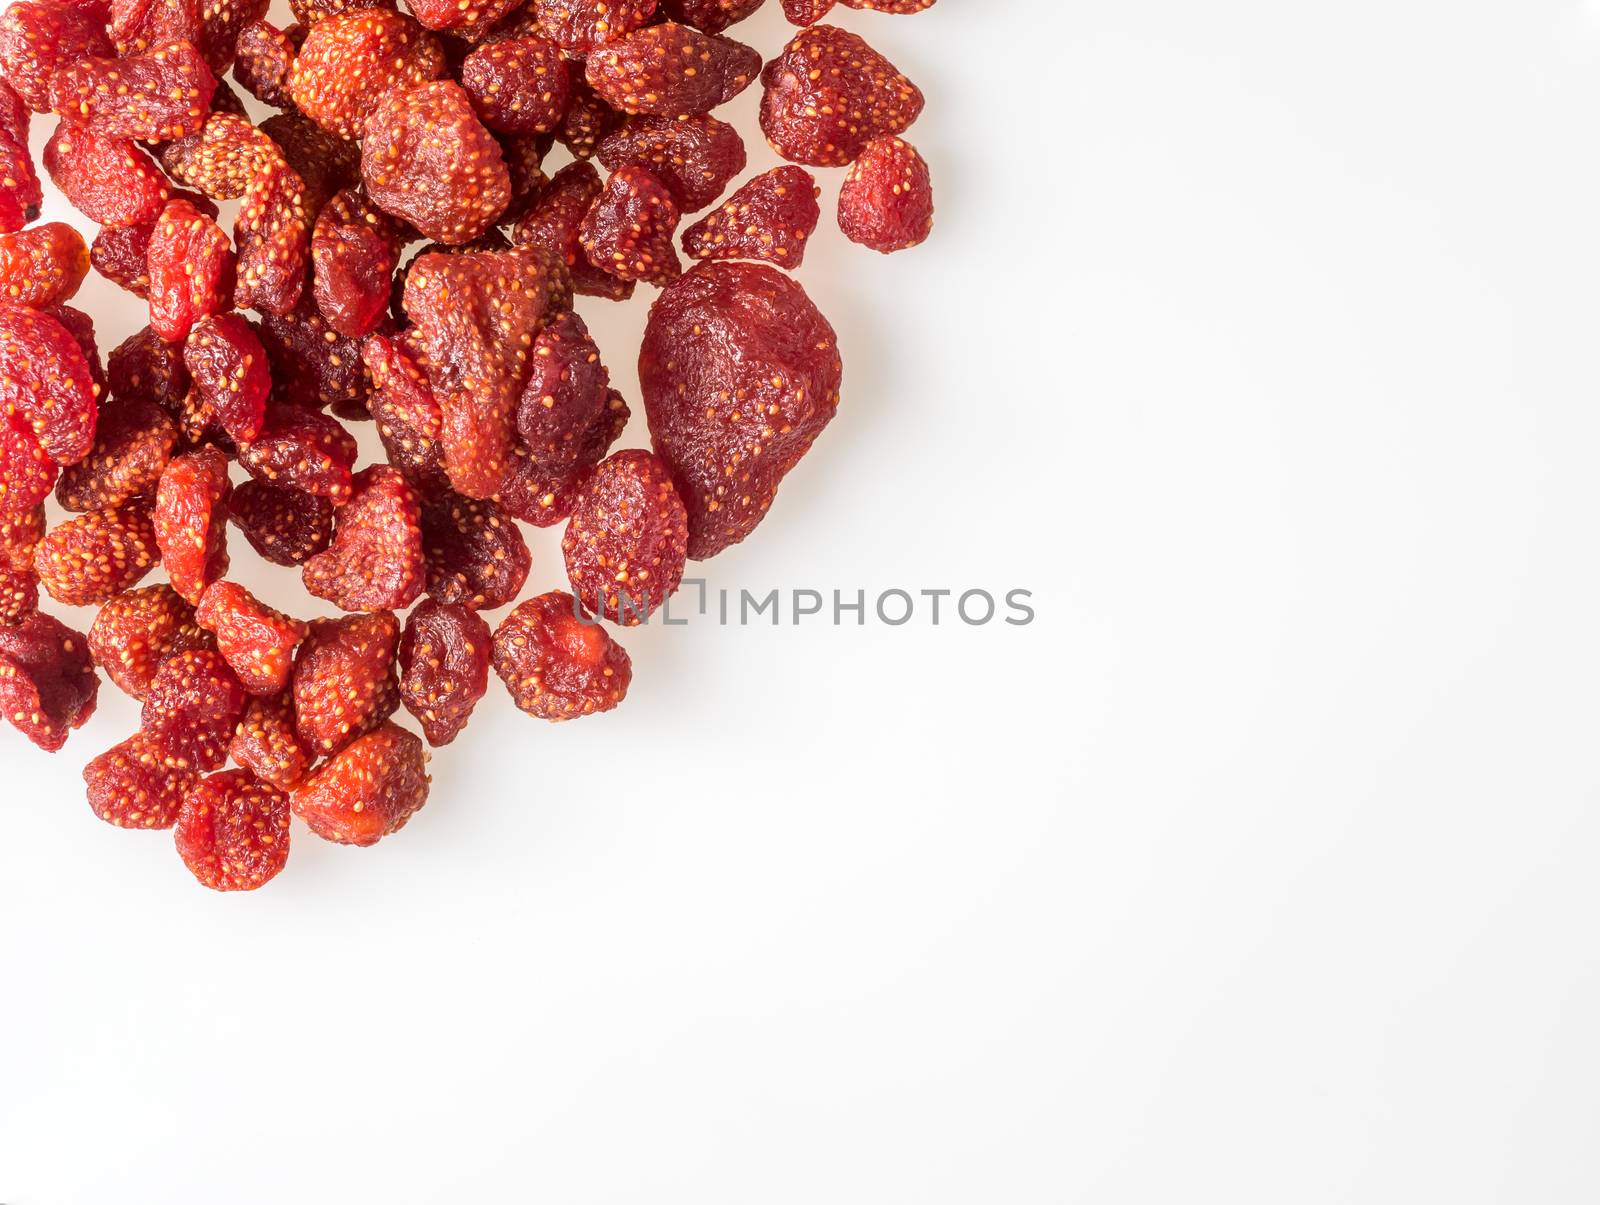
column 222, row 159
column 89, row 558
column 355, row 249
column 671, row 70
column 769, row 219
column 191, row 520
column 886, row 201
column 37, row 38
column 474, row 553
column 48, row 685
column 695, row 158
column 193, row 706
column 589, row 118
column 161, row 94
column 26, row 470
column 272, row 236
column 265, row 56
column 557, row 664
column 256, row 641
column 518, row 86
column 470, row 20
column 284, row 525
column 367, row 791
column 709, row 16
column 375, row 562
column 137, row 25
column 807, row 12
column 190, row 264
column 233, row 831
column 20, row 533
column 137, row 784
column 545, row 497
column 303, row 449
column 19, row 594
column 312, row 364
column 629, row 231
column 344, row 679
column 228, row 366
column 427, row 159
column 266, row 744
column 740, row 373
column 145, row 367
column 351, row 61
column 444, row 667
column 578, row 26
column 133, row 442
column 898, row 7
column 45, row 382
column 20, row 194
column 566, row 392
column 829, row 94
column 139, row 629
column 43, row 265
column 629, row 537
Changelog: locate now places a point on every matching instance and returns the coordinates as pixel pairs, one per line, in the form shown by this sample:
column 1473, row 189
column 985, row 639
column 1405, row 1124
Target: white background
column 1258, row 340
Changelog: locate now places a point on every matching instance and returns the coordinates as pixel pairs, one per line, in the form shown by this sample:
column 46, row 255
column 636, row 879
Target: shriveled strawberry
column 475, row 554
column 886, row 201
column 368, row 790
column 355, row 248
column 272, row 237
column 406, row 412
column 807, row 12
column 138, row 784
column 48, row 686
column 133, row 442
column 46, row 384
column 233, row 831
column 375, row 562
column 518, row 85
column 303, row 449
column 557, row 664
column 265, row 59
column 589, row 118
column 579, row 26
column 709, row 16
column 191, row 516
column 695, row 158
column 229, row 369
column 344, row 680
column 351, row 61
column 160, row 94
column 137, row 630
column 42, row 266
column 545, row 497
column 284, row 525
column 192, row 708
column 671, row 70
column 312, row 364
column 629, row 232
column 770, row 219
column 566, row 392
column 38, row 38
column 629, row 537
column 266, row 744
column 552, row 225
column 191, row 268
column 89, row 558
column 109, row 180
column 829, row 94
column 256, row 641
column 444, row 667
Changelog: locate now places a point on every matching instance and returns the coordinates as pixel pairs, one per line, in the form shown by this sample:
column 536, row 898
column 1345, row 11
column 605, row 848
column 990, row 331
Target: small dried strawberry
column 191, row 267
column 137, row 25
column 221, row 24
column 709, row 16
column 544, row 497
column 769, row 219
column 470, row 20
column 312, row 364
column 886, row 202
column 578, row 26
column 344, row 679
column 266, row 744
column 233, row 831
column 524, row 155
column 120, row 254
column 265, row 57
column 162, row 93
column 829, row 94
column 228, row 366
column 552, row 225
column 191, row 517
column 138, row 784
column 89, row 558
column 557, row 664
column 48, row 686
column 20, row 533
column 355, row 249
column 20, row 194
column 302, row 449
column 366, row 791
column 351, row 61
column 407, row 414
column 444, row 667
column 475, row 555
column 273, row 239
column 566, row 392
column 695, row 158
column 132, row 444
column 589, row 119
column 45, row 382
column 629, row 231
column 518, row 86
column 375, row 562
column 145, row 367
column 137, row 630
column 192, row 709
column 671, row 70
column 257, row 642
column 629, row 537
column 221, row 160
column 284, row 525
column 37, row 38
column 42, row 266
column 26, row 470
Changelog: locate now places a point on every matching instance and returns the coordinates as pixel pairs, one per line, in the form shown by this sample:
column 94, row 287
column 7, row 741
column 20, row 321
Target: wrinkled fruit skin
column 552, row 225
column 567, row 391
column 709, row 16
column 886, row 201
column 629, row 232
column 366, row 791
column 233, row 831
column 191, row 516
column 137, row 784
column 628, row 540
column 444, row 667
column 740, row 373
column 257, row 642
column 578, row 26
column 284, row 525
column 90, row 557
column 42, row 266
column 518, row 86
column 266, row 743
column 48, row 686
column 375, row 562
column 671, row 70
column 544, row 497
column 190, row 264
column 133, row 441
column 46, row 384
column 696, row 158
column 137, row 630
column 304, row 450
column 769, row 219
column 557, row 665
column 350, row 62
column 229, row 369
column 159, row 95
column 108, row 180
column 193, row 707
column 344, row 680
column 355, row 250
column 37, row 38
column 475, row 555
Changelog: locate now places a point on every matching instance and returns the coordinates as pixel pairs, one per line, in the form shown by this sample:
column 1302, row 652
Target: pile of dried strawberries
column 488, row 393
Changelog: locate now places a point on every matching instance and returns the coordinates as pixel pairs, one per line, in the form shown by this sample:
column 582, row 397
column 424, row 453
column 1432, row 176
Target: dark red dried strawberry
column 145, row 367
column 565, row 394
column 229, row 368
column 886, row 201
column 351, row 61
column 557, row 664
column 190, row 264
column 695, row 158
column 355, row 249
column 162, row 93
column 192, row 709
column 191, row 520
column 89, row 558
column 709, row 16
column 629, row 537
column 26, row 470
column 222, row 23
column 740, row 373
column 671, row 70
column 139, row 629
column 770, row 218
column 629, row 231
column 544, row 498
column 309, row 12
column 368, row 790
column 375, row 562
column 807, row 12
column 344, row 680
column 273, row 238
column 518, row 86
column 19, row 595
column 119, row 253
column 266, row 744
column 829, row 94
column 45, row 382
column 427, row 159
column 137, row 25
column 444, row 667
column 132, row 444
column 326, row 162
column 265, row 56
column 406, row 412
column 312, row 364
column 81, row 327
column 20, row 194
column 552, row 223
column 475, row 555
column 589, row 118
column 233, row 831
column 137, row 784
column 284, row 525
column 48, row 685
column 256, row 641
column 578, row 26
column 37, row 38
column 302, row 449
column 900, row 7
column 42, row 266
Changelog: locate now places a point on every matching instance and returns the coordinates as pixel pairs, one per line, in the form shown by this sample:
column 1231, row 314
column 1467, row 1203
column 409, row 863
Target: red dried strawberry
column 233, row 831
column 769, row 219
column 120, row 254
column 284, row 525
column 344, row 679
column 137, row 25
column 36, row 39
column 444, row 667
column 524, row 155
column 629, row 231
column 829, row 94
column 671, row 70
column 132, row 444
column 312, row 364
column 303, row 449
column 695, row 157
column 475, row 555
column 351, row 61
column 709, row 16
column 222, row 159
column 42, row 266
column 266, row 744
column 886, row 202
column 89, row 558
column 265, row 57
column 407, row 414
column 565, row 394
column 578, row 26
column 20, row 194
column 467, row 19
column 368, row 790
column 629, row 537
column 20, row 533
column 589, row 118
column 163, row 93
column 45, row 382
column 552, row 225
column 273, row 238
column 355, row 249
column 557, row 664
column 222, row 22
column 740, row 373
column 48, row 685
column 191, row 520
column 544, row 497
column 137, row 784
column 257, row 642
column 229, row 368
column 375, row 562
column 15, row 117
column 137, row 630
column 145, row 367
column 81, row 327
column 518, row 86
column 901, row 7
column 191, row 265
column 192, row 709
column 19, row 595
column 26, row 470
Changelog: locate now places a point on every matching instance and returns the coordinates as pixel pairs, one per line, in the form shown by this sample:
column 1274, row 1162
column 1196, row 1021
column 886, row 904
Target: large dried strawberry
column 375, row 562
column 233, row 831
column 829, row 94
column 671, row 70
column 557, row 663
column 366, row 791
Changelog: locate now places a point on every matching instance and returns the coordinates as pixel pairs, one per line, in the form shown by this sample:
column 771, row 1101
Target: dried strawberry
column 120, row 254
column 20, row 533
column 351, row 61
column 20, row 194
column 444, row 667
column 89, row 558
column 228, row 366
column 191, row 267
column 265, row 57
column 355, row 249
column 556, row 664
column 629, row 537
column 375, row 562
column 309, row 12
column 145, row 367
column 233, row 831
column 695, row 158
column 671, row 70
column 222, row 159
column 344, row 679
column 37, row 38
column 42, row 266
column 26, row 470
column 366, row 791
column 266, row 744
column 46, row 383
column 578, row 26
column 193, row 706
column 740, row 373
column 15, row 117
column 709, row 16
column 406, row 412
column 543, row 497
column 19, row 595
column 552, row 225
column 284, row 525
column 273, row 239
column 474, row 553
column 901, row 7
column 191, row 517
column 829, row 94
column 256, row 641
column 427, row 160
column 589, row 118
column 222, row 23
column 566, row 392
column 302, row 449
column 518, row 86
column 162, row 93
column 138, row 784
column 770, row 219
column 133, row 442
column 629, row 231
column 312, row 364
column 137, row 25
column 48, row 685
column 886, row 201
column 81, row 327
column 468, row 19
column 139, row 629
column 325, row 162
